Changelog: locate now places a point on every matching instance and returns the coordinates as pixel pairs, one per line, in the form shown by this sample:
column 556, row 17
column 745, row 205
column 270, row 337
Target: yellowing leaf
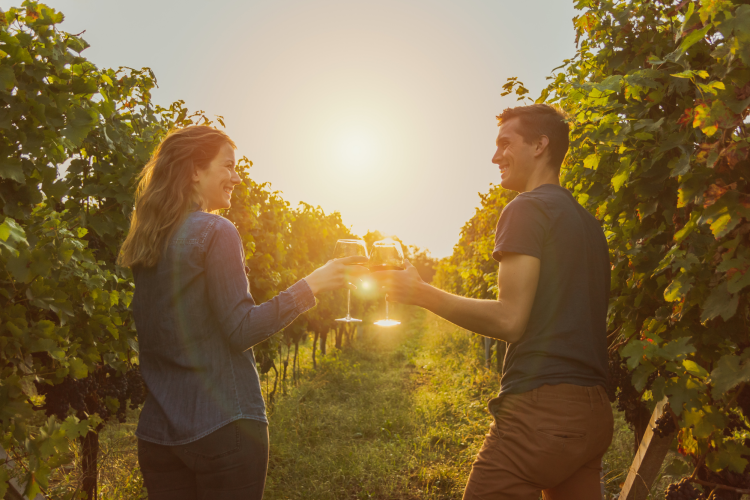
column 694, row 369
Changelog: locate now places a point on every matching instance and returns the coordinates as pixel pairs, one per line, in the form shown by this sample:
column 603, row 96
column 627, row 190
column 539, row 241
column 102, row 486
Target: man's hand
column 404, row 286
column 504, row 319
column 337, row 273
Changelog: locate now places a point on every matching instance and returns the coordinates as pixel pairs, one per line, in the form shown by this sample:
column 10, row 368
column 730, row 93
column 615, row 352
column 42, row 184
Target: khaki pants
column 549, row 440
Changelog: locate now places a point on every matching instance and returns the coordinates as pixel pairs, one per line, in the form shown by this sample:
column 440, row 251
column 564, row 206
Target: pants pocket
column 220, row 443
column 561, row 440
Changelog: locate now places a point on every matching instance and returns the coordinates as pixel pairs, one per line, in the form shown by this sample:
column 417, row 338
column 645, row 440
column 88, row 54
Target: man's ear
column 542, row 145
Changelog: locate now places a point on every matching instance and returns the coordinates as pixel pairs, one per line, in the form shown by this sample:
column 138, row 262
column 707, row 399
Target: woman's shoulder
column 202, row 225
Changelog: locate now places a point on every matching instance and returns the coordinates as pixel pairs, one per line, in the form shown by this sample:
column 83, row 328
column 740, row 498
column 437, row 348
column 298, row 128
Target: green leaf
column 694, row 369
column 680, row 166
column 679, row 287
column 592, row 161
column 738, row 282
column 78, row 368
column 611, row 83
column 79, row 123
column 730, row 371
column 622, row 174
column 10, row 230
column 4, row 478
column 720, row 303
column 19, row 267
column 7, row 78
column 693, row 38
column 11, row 168
column 731, row 456
column 677, row 348
column 633, row 352
column 75, row 428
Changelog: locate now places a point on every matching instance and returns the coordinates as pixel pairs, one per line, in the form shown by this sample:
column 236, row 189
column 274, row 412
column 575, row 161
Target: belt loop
column 591, row 396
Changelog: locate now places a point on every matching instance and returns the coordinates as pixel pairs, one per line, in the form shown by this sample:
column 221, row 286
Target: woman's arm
column 243, row 322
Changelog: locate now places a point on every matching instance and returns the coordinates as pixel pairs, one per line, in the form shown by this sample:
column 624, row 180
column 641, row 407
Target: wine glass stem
column 348, row 303
column 386, row 306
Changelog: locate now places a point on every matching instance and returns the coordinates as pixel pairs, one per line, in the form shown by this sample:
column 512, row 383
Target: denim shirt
column 197, row 323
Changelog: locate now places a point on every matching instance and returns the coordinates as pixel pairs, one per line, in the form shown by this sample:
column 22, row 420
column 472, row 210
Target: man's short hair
column 542, row 119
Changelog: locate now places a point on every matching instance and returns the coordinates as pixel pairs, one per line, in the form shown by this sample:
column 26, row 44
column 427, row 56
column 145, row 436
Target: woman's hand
column 337, row 273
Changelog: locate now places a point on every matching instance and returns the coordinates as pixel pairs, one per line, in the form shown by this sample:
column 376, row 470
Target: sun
column 356, row 149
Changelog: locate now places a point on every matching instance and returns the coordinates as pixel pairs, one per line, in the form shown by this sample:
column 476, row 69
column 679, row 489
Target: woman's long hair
column 166, row 191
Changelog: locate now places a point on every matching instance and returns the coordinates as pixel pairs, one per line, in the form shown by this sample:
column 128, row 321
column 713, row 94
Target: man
column 553, row 422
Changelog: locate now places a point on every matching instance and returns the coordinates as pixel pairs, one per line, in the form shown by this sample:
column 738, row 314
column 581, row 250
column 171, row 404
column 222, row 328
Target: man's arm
column 504, row 319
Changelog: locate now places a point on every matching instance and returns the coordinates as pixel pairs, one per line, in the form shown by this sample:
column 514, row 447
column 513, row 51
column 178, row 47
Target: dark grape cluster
column 90, row 395
column 727, row 478
column 743, row 400
column 683, row 490
column 628, row 399
column 136, row 387
column 665, row 424
column 734, row 423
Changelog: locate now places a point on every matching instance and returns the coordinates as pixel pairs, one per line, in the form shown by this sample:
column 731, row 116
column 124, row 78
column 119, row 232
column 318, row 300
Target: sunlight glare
column 356, row 149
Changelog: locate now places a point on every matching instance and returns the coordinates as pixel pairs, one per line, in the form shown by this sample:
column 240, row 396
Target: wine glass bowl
column 386, row 255
column 349, row 248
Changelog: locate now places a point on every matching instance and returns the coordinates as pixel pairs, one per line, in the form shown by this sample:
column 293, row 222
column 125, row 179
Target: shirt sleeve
column 243, row 322
column 521, row 229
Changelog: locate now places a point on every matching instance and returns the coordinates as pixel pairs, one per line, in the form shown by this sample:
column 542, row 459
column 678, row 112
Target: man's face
column 514, row 156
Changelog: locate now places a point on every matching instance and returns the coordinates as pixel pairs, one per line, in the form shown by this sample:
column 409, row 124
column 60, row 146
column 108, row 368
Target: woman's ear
column 196, row 176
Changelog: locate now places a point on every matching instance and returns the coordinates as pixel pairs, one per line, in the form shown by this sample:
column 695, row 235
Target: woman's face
column 215, row 183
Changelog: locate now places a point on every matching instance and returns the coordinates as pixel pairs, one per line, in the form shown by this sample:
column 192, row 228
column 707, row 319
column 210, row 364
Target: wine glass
column 386, row 255
column 349, row 248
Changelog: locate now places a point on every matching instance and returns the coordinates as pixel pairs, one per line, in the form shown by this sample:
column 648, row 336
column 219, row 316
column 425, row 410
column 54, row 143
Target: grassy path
column 399, row 416
column 383, row 420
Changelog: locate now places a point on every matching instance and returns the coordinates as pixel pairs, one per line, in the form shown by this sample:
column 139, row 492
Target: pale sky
column 382, row 110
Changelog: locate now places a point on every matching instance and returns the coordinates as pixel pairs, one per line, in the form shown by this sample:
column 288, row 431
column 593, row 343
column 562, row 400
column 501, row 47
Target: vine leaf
column 730, row 371
column 720, row 303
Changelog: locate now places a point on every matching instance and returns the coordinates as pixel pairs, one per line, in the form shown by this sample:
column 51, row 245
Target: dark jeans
column 229, row 463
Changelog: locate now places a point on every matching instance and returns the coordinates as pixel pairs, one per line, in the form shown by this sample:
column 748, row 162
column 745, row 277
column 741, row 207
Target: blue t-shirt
column 565, row 341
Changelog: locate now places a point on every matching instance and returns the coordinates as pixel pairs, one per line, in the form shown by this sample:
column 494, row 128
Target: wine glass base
column 387, row 322
column 349, row 320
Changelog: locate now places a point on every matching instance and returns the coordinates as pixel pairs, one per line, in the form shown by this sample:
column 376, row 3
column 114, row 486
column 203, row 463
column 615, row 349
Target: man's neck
column 542, row 175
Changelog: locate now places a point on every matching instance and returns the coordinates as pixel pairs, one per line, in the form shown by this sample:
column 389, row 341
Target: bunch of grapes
column 683, row 490
column 89, row 395
column 725, row 477
column 617, row 376
column 743, row 400
column 628, row 399
column 137, row 390
column 735, row 423
column 665, row 424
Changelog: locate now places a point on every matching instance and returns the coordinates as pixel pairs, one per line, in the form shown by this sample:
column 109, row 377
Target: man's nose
column 498, row 157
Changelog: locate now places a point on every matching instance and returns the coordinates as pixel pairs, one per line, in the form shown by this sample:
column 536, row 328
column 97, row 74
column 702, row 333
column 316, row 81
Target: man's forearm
column 490, row 318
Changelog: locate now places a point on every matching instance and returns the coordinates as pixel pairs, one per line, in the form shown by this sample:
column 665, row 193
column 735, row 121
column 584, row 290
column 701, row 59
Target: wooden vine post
column 648, row 459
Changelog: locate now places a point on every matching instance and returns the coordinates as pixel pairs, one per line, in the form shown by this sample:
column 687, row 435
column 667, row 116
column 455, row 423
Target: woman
column 203, row 431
